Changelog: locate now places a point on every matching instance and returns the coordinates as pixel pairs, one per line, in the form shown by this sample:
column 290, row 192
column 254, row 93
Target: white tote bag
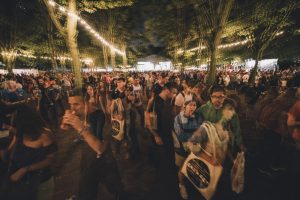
column 118, row 123
column 203, row 175
column 238, row 173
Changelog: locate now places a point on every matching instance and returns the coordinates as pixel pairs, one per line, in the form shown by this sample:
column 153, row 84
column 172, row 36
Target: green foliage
column 92, row 6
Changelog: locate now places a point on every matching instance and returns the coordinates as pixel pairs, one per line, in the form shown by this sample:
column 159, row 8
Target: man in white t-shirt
column 185, row 95
column 226, row 80
column 245, row 78
column 138, row 93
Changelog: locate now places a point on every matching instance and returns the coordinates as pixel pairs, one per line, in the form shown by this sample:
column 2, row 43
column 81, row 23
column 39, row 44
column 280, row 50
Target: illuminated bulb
column 83, row 22
column 87, row 26
column 51, row 3
column 62, row 9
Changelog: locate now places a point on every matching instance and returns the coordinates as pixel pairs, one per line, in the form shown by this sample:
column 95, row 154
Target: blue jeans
column 97, row 121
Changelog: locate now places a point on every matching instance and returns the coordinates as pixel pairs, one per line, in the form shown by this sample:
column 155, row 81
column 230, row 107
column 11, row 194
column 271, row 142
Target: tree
column 17, row 19
column 212, row 16
column 267, row 20
column 69, row 32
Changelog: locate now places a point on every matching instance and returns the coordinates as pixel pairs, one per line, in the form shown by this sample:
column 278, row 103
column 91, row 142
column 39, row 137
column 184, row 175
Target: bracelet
column 82, row 130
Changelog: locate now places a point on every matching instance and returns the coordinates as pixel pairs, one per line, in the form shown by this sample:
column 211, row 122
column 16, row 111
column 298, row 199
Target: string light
column 15, row 54
column 87, row 27
column 224, row 46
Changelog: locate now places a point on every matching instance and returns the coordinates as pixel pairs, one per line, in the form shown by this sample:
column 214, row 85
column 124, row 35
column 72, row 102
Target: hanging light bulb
column 88, row 27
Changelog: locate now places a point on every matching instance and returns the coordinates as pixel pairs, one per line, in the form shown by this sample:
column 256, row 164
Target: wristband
column 82, row 130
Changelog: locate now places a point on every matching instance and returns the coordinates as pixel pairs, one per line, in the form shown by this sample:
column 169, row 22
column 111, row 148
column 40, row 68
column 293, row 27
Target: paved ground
column 139, row 176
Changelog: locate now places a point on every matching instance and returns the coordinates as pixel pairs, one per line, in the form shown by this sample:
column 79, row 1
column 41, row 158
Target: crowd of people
column 194, row 128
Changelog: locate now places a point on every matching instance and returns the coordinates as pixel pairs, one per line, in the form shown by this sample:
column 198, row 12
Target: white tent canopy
column 266, row 64
column 154, row 63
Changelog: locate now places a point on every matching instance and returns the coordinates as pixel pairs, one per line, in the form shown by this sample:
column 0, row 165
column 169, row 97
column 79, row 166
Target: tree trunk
column 255, row 68
column 9, row 60
column 113, row 59
column 111, row 24
column 51, row 45
column 212, row 67
column 72, row 44
column 63, row 64
column 125, row 63
column 105, row 57
column 216, row 39
column 70, row 37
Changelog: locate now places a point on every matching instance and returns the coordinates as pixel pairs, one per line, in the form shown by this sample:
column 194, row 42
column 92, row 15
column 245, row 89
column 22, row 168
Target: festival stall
column 154, row 63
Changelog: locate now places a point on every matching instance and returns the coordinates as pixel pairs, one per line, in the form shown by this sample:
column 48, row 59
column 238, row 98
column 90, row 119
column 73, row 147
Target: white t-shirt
column 180, row 99
column 226, row 80
column 138, row 92
column 245, row 78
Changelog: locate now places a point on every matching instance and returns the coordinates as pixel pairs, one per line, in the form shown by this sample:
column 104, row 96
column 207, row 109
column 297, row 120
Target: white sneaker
column 183, row 191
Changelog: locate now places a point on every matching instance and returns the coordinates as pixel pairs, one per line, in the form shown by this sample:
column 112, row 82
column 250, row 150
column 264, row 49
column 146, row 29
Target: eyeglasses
column 218, row 97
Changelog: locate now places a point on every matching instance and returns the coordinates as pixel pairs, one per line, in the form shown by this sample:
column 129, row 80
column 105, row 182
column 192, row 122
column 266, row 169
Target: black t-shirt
column 157, row 88
column 117, row 94
column 163, row 110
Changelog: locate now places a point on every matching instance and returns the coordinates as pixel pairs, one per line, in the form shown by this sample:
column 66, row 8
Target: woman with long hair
column 32, row 152
column 95, row 111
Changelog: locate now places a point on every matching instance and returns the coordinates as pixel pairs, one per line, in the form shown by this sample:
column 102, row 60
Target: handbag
column 238, row 173
column 151, row 118
column 118, row 124
column 202, row 174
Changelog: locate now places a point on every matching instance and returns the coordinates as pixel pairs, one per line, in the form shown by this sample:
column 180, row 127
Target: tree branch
column 55, row 20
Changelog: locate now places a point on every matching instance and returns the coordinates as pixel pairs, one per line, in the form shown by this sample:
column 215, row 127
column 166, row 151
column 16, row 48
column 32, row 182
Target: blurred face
column 228, row 112
column 41, row 81
column 11, row 85
column 101, row 85
column 120, row 84
column 217, row 99
column 171, row 93
column 47, row 83
column 187, row 89
column 195, row 90
column 164, row 80
column 190, row 108
column 76, row 104
column 90, row 90
column 130, row 96
column 136, row 82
